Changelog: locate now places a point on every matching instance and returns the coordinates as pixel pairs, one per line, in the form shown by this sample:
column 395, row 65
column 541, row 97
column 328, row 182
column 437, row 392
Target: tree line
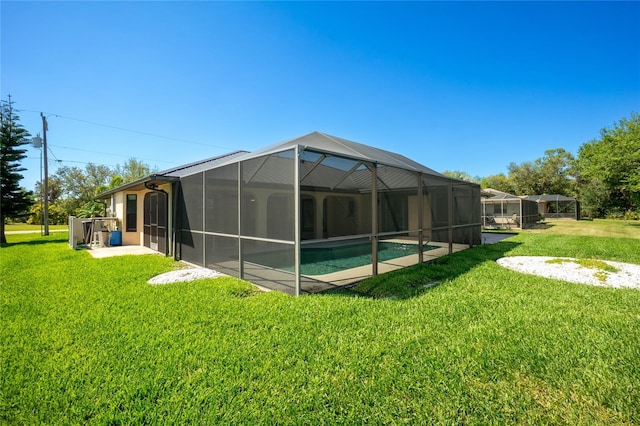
column 72, row 189
column 604, row 177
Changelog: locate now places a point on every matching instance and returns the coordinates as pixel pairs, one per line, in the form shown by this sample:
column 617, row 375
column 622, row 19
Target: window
column 132, row 213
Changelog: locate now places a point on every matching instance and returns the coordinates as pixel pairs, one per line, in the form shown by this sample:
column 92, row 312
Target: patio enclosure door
column 155, row 221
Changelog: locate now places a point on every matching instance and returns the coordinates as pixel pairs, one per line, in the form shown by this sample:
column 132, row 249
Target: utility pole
column 45, row 127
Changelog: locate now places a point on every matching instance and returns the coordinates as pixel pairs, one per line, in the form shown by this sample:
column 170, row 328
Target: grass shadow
column 418, row 279
column 33, row 239
column 28, row 243
column 541, row 225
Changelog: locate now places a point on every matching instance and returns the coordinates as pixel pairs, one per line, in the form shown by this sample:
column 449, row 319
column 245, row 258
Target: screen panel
column 269, row 265
column 191, row 202
column 222, row 254
column 191, row 245
column 221, row 200
column 267, row 206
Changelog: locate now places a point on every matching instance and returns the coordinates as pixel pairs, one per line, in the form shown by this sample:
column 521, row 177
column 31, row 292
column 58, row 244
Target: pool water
column 326, row 260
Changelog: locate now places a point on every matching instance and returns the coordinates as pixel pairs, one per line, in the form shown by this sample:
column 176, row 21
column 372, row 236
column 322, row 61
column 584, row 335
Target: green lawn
column 595, row 228
column 87, row 341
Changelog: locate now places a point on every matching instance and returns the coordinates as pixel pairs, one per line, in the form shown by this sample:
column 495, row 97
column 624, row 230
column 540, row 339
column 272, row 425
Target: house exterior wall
column 117, row 210
column 133, row 237
column 117, row 204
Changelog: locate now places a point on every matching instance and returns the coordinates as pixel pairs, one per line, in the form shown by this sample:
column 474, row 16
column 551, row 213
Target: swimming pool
column 326, row 260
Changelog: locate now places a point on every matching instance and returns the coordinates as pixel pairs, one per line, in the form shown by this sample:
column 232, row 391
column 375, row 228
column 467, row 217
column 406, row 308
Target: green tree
column 498, row 182
column 14, row 200
column 460, row 175
column 57, row 215
column 609, row 168
column 525, row 178
column 594, row 197
column 79, row 186
column 132, row 170
column 116, row 181
column 91, row 209
column 552, row 174
column 557, row 172
column 54, row 186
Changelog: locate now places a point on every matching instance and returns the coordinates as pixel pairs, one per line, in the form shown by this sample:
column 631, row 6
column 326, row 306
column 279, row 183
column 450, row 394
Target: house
column 502, row 210
column 302, row 215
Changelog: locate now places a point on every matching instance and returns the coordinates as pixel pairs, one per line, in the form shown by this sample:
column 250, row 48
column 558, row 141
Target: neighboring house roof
column 499, row 195
column 549, row 197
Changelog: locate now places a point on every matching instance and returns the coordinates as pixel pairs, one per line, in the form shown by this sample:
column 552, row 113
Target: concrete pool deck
column 317, row 283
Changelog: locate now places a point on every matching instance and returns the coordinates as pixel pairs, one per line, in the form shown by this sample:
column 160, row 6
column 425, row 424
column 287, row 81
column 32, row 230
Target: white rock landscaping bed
column 184, row 275
column 568, row 269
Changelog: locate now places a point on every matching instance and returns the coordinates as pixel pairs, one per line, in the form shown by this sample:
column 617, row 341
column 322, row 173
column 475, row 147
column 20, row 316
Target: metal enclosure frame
column 501, row 210
column 556, row 206
column 258, row 215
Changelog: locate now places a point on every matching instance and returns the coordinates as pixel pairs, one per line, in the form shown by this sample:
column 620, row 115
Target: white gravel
column 184, row 275
column 627, row 275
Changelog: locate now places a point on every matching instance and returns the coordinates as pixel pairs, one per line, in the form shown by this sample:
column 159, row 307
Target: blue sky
column 452, row 85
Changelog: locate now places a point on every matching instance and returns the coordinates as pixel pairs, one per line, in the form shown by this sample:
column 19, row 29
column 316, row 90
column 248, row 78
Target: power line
column 84, row 162
column 51, row 151
column 123, row 129
column 56, row 161
column 115, row 155
column 129, row 130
